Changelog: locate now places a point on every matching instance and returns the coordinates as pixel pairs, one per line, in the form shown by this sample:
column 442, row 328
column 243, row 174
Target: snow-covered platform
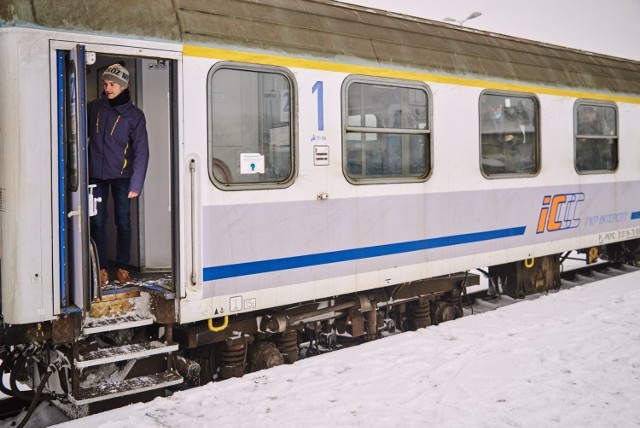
column 570, row 358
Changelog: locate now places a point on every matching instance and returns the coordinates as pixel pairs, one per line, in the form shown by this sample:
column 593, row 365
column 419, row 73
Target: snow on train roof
column 337, row 31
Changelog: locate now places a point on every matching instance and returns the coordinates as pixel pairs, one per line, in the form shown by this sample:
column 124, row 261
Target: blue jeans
column 121, row 207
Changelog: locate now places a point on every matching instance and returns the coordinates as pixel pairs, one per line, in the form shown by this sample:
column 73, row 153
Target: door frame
column 112, row 47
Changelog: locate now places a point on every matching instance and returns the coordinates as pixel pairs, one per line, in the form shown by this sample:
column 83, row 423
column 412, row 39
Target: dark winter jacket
column 118, row 142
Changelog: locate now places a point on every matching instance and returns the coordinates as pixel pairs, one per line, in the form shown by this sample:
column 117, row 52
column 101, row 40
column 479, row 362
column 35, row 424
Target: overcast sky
column 611, row 28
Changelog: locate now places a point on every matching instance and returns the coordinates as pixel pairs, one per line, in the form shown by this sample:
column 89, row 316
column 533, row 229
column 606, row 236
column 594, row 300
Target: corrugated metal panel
column 155, row 19
column 333, row 30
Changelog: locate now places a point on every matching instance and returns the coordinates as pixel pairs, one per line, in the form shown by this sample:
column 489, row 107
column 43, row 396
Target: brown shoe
column 104, row 277
column 123, row 276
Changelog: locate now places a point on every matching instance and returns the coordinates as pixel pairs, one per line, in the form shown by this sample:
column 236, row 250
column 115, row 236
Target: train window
column 71, row 129
column 509, row 135
column 250, row 126
column 596, row 137
column 386, row 131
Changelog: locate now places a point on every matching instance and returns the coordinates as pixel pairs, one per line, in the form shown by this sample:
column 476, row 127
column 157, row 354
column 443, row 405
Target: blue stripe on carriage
column 635, row 215
column 263, row 266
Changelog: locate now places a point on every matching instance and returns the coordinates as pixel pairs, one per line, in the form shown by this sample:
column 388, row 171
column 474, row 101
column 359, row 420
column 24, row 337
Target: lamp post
column 460, row 22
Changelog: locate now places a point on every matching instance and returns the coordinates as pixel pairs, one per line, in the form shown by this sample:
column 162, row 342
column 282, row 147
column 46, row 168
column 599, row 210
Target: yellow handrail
column 222, row 327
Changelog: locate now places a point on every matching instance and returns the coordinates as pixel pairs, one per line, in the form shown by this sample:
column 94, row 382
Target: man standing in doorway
column 118, row 160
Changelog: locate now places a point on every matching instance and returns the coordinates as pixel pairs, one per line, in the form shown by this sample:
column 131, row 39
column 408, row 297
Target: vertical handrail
column 95, row 268
column 95, row 262
column 192, row 172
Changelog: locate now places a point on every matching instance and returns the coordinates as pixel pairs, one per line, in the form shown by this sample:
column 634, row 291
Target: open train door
column 75, row 269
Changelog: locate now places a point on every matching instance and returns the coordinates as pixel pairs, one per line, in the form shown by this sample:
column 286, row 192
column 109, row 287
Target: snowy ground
column 567, row 359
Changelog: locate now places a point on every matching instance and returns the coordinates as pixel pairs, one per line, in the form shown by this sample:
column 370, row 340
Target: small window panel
column 386, row 131
column 596, row 137
column 509, row 135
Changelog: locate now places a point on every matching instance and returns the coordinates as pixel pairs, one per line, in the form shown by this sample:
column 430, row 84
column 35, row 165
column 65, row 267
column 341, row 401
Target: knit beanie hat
column 117, row 74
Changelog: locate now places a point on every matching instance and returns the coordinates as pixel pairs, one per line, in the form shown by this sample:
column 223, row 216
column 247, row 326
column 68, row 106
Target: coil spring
column 287, row 344
column 420, row 315
column 232, row 358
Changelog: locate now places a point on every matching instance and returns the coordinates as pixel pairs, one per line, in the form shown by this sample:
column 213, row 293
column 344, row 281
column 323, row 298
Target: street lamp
column 460, row 22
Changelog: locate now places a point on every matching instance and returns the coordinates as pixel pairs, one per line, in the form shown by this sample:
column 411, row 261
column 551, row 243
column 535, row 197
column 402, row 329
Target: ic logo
column 558, row 212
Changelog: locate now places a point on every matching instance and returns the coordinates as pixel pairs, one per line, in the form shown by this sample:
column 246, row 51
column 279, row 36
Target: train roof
column 335, row 31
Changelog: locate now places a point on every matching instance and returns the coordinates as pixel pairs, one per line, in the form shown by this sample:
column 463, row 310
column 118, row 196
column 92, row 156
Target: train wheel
column 442, row 312
column 264, row 355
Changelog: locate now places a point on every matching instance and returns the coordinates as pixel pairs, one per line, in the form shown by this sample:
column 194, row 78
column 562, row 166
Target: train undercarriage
column 128, row 348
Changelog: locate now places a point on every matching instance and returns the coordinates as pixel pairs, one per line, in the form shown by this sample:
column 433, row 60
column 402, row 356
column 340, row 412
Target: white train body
column 320, row 236
column 369, row 236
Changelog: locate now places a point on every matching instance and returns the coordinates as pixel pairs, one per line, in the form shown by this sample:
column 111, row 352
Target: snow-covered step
column 100, row 325
column 109, row 390
column 122, row 353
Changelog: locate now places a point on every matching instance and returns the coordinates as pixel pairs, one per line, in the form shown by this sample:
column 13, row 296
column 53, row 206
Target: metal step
column 100, row 325
column 109, row 390
column 122, row 353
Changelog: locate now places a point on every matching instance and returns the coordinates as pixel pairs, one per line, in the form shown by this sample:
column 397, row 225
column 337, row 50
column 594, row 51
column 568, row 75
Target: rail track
column 484, row 298
column 489, row 298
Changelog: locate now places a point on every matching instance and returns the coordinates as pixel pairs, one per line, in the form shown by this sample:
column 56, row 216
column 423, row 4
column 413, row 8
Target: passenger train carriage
column 320, row 173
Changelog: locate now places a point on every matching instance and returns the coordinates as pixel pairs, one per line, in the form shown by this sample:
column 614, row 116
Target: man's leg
column 121, row 205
